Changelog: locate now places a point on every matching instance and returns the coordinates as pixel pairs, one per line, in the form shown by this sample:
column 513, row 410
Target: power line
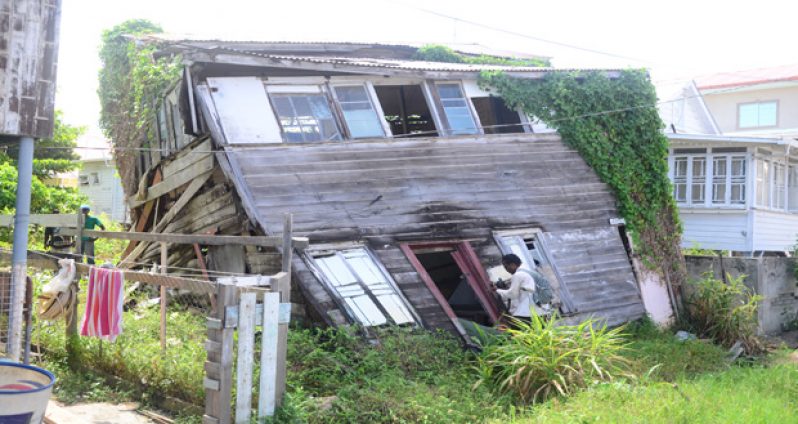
column 522, row 35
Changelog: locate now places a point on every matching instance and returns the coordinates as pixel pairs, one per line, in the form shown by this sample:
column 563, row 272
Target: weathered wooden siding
column 383, row 192
column 28, row 59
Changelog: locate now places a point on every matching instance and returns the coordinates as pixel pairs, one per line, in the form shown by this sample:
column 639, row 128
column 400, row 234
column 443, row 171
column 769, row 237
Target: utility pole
column 19, row 257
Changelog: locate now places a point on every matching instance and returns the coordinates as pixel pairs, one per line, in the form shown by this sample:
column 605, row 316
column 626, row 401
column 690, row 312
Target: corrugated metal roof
column 748, row 77
column 464, row 48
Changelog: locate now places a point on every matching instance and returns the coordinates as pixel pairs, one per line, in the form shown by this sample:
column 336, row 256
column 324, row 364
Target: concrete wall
column 723, row 107
column 770, row 277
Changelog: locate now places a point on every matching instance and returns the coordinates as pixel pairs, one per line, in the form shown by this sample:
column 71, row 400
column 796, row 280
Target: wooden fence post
column 164, row 264
column 246, row 356
column 72, row 340
column 284, row 288
column 218, row 381
column 269, row 363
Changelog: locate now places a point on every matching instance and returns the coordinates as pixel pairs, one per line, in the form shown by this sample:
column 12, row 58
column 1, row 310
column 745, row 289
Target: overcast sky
column 676, row 39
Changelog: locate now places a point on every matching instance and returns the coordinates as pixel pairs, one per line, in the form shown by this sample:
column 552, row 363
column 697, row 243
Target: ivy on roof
column 439, row 53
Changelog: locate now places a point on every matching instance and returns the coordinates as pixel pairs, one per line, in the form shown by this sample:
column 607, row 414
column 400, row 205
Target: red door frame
column 466, row 259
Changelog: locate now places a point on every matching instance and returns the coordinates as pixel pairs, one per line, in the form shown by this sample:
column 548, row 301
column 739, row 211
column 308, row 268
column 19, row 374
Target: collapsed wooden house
column 409, row 179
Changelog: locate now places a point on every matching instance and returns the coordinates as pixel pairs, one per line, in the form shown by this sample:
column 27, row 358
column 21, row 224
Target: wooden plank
column 246, row 353
column 46, row 220
column 267, row 394
column 210, row 240
column 182, row 201
column 218, row 401
column 186, row 158
column 178, row 180
column 163, row 302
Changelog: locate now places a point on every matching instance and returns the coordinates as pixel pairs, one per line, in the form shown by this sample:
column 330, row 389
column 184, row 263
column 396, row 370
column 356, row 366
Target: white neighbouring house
column 100, row 182
column 733, row 160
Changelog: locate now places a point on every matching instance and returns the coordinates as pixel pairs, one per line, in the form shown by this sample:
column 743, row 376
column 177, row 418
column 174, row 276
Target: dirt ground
column 94, row 413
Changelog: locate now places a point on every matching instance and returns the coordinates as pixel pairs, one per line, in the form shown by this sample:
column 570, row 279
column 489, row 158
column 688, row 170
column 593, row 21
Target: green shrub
column 724, row 311
column 543, row 358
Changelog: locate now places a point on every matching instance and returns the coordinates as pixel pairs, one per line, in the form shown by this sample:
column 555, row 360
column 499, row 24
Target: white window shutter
column 244, row 109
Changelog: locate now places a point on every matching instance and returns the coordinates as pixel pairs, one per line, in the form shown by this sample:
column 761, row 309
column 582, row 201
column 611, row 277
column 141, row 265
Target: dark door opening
column 406, row 110
column 453, row 285
column 496, row 117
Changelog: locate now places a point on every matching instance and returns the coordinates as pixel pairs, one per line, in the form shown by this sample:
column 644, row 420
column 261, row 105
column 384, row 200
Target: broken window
column 305, row 117
column 406, row 110
column 367, row 291
column 496, row 117
column 359, row 113
column 456, row 109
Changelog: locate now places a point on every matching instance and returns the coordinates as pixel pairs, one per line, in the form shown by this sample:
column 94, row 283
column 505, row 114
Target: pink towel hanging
column 103, row 316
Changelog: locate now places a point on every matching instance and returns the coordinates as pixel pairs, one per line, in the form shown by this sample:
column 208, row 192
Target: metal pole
column 19, row 258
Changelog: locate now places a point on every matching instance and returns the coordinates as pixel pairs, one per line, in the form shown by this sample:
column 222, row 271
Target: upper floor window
column 305, row 117
column 455, row 106
column 757, row 115
column 728, row 179
column 721, row 176
column 358, row 111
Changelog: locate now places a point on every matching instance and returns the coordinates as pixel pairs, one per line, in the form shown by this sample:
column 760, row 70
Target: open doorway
column 455, row 277
column 406, row 110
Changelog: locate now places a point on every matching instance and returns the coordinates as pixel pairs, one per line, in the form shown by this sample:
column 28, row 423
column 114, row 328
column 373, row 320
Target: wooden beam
column 184, row 199
column 164, row 264
column 141, row 223
column 209, row 240
column 176, row 181
column 44, row 219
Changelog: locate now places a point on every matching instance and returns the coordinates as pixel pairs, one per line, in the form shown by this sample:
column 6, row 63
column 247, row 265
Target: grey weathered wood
column 176, row 181
column 268, row 394
column 246, row 355
column 218, row 400
column 164, row 301
column 46, row 220
column 210, row 240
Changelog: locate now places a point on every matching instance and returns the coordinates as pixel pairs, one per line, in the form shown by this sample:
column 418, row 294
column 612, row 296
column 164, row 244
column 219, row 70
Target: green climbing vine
column 439, row 53
column 131, row 81
column 614, row 124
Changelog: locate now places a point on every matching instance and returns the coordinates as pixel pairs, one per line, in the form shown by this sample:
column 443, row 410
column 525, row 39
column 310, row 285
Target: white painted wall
column 715, row 229
column 776, row 231
column 105, row 194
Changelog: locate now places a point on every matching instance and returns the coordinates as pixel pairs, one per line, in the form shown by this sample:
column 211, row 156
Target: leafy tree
column 53, row 155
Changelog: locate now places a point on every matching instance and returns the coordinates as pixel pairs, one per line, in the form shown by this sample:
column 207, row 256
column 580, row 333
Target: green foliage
column 545, row 358
column 741, row 395
column 439, row 53
column 724, row 311
column 614, row 124
column 54, row 155
column 697, row 250
column 131, row 81
column 43, row 197
column 109, row 250
column 655, row 353
column 407, row 376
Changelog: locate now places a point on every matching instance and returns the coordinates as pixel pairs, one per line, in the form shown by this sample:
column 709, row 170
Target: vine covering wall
column 131, row 81
column 614, row 124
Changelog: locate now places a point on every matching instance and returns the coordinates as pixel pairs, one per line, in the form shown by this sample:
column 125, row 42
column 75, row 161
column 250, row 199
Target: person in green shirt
column 87, row 243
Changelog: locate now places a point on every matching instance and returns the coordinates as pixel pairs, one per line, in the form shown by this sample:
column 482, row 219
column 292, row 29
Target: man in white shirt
column 519, row 296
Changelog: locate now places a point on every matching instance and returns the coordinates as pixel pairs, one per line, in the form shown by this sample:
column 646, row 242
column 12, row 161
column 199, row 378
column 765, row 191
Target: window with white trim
column 368, row 293
column 455, row 106
column 763, row 182
column 779, row 185
column 792, row 188
column 728, row 179
column 699, row 180
column 359, row 112
column 305, row 117
column 680, row 178
column 757, row 115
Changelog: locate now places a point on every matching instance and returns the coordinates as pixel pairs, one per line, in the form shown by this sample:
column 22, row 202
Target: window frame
column 280, row 90
column 758, row 103
column 444, row 117
column 376, row 108
column 312, row 252
column 535, row 236
column 710, row 179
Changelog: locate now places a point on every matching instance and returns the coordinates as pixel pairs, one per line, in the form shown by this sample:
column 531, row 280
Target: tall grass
column 724, row 311
column 542, row 358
